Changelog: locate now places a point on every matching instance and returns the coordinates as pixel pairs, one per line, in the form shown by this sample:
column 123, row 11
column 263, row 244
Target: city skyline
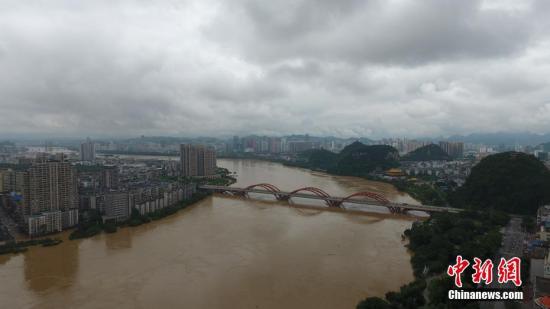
column 275, row 154
column 348, row 69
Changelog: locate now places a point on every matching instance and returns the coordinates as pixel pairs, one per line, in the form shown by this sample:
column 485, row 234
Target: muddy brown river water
column 225, row 252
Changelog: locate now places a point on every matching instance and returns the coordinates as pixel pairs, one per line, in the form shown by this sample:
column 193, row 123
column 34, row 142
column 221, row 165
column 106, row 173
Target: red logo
column 483, row 272
column 457, row 269
column 508, row 270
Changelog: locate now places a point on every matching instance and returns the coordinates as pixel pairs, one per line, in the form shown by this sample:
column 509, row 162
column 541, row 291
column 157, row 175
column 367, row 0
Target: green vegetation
column 528, row 223
column 110, row 227
column 359, row 160
column 412, row 295
column 409, row 295
column 355, row 159
column 321, row 159
column 373, row 303
column 85, row 231
column 173, row 179
column 224, row 179
column 221, row 181
column 90, row 225
column 511, row 181
column 438, row 290
column 425, row 193
column 429, row 152
column 435, row 243
column 22, row 246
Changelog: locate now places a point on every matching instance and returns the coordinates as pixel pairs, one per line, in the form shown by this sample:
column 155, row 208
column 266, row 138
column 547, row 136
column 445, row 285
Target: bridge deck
column 426, row 208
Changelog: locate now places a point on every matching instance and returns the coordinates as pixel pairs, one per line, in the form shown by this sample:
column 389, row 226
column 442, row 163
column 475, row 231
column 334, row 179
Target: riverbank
column 22, row 246
column 425, row 194
column 282, row 257
column 223, row 178
column 434, row 243
column 95, row 225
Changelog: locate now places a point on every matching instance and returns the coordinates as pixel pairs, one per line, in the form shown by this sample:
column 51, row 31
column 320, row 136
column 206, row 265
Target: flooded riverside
column 225, row 252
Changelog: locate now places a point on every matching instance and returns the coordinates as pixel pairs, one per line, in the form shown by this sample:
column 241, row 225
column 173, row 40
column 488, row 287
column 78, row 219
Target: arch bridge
column 364, row 197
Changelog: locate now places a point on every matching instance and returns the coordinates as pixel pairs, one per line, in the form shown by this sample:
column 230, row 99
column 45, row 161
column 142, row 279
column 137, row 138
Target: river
column 225, row 252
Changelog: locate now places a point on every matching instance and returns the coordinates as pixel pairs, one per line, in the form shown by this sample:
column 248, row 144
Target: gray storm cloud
column 372, row 68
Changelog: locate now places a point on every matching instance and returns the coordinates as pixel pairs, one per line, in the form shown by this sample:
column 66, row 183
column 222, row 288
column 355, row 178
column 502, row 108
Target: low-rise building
column 116, row 206
column 151, row 199
column 45, row 223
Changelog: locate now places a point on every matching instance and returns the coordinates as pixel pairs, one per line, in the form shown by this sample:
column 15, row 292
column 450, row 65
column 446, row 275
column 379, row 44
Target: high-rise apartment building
column 87, row 151
column 197, row 160
column 5, row 180
column 236, row 145
column 52, row 186
column 209, row 162
column 453, row 149
column 50, row 198
column 189, row 160
column 109, row 178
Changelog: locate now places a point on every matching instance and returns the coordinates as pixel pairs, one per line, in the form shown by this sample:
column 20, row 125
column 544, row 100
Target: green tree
column 373, row 303
column 511, row 181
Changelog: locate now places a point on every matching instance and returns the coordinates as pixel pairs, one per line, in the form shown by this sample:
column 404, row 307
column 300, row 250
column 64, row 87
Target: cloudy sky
column 347, row 68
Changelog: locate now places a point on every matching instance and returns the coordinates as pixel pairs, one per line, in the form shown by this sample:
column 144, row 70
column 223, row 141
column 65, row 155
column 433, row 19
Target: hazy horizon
column 499, row 138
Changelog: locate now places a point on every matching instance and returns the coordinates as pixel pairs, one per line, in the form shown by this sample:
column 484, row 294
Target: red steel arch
column 313, row 190
column 317, row 192
column 269, row 187
column 371, row 195
column 326, row 197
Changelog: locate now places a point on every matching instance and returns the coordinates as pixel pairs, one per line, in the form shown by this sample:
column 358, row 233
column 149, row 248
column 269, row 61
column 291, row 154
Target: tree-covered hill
column 429, row 152
column 355, row 159
column 511, row 181
column 358, row 159
column 321, row 159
